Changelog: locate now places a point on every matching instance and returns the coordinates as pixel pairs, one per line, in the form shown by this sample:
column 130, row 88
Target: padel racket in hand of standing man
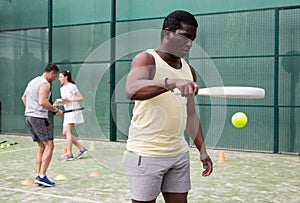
column 156, row 134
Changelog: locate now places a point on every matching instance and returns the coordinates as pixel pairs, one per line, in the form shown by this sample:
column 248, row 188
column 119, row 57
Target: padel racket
column 230, row 92
column 72, row 110
column 3, row 142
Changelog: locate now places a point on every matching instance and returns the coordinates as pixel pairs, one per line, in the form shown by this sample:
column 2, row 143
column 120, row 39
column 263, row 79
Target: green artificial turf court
column 244, row 177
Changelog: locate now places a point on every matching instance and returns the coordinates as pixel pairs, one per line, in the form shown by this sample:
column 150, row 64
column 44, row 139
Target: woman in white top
column 70, row 97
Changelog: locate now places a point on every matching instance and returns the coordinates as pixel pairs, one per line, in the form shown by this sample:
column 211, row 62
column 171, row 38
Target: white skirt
column 75, row 117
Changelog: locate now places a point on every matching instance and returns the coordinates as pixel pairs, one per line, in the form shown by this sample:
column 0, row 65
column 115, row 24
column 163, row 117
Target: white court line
column 17, row 150
column 76, row 199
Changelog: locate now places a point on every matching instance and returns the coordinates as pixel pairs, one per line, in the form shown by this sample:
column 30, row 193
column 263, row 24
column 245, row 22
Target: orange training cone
column 95, row 174
column 27, row 182
column 222, row 158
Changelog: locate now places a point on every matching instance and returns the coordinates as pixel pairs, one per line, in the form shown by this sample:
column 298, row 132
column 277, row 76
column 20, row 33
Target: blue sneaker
column 81, row 153
column 44, row 181
column 66, row 157
column 37, row 180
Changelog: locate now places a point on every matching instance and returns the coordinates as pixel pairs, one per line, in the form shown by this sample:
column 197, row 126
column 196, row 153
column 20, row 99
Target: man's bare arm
column 139, row 84
column 24, row 97
column 43, row 97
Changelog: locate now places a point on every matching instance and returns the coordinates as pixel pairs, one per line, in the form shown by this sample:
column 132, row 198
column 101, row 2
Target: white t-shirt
column 69, row 91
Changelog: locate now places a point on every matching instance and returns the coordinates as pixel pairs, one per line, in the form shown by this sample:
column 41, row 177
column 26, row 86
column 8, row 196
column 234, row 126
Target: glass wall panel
column 70, row 12
column 128, row 10
column 140, row 35
column 237, row 34
column 289, row 85
column 289, row 67
column 289, row 129
column 23, row 14
column 124, row 106
column 289, row 34
column 23, row 56
column 251, row 71
column 77, row 43
column 256, row 135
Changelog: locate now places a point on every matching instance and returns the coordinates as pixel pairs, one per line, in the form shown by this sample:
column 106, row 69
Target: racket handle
column 176, row 91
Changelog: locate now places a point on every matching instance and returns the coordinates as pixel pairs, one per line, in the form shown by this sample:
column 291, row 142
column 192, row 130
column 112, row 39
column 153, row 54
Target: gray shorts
column 148, row 176
column 40, row 128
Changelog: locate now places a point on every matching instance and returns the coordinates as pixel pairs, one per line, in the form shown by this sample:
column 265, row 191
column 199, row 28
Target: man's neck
column 45, row 75
column 172, row 60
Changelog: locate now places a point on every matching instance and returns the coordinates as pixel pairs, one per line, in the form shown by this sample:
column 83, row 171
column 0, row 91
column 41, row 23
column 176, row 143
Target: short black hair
column 51, row 67
column 174, row 20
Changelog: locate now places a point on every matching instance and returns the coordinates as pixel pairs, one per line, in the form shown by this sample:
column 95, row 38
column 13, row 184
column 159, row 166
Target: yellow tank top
column 158, row 124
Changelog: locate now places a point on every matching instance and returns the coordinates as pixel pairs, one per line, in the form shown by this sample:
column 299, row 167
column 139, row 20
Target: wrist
column 167, row 86
column 203, row 156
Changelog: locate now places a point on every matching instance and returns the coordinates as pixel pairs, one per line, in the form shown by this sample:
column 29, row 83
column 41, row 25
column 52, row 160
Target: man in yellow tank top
column 157, row 158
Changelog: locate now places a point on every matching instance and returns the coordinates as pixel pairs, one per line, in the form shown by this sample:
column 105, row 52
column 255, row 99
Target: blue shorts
column 40, row 128
column 148, row 176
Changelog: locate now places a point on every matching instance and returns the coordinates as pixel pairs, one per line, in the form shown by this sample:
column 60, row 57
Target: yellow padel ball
column 239, row 120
